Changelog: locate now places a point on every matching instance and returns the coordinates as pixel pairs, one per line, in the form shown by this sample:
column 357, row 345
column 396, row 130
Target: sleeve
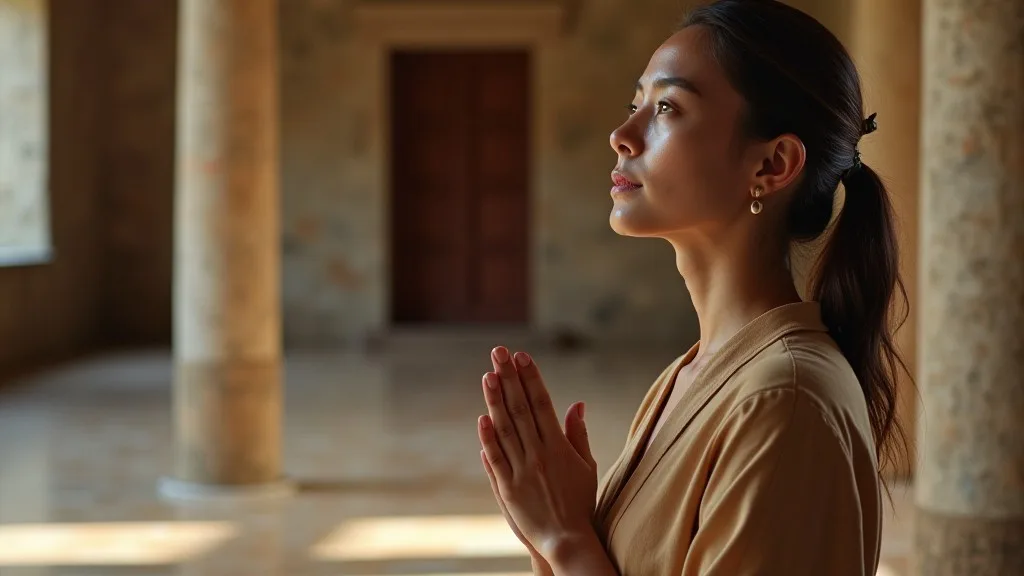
column 782, row 497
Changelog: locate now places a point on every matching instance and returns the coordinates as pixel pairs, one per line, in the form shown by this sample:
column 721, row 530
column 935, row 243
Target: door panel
column 460, row 178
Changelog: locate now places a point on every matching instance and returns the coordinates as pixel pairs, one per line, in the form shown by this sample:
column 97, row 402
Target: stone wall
column 334, row 199
column 335, row 206
column 49, row 311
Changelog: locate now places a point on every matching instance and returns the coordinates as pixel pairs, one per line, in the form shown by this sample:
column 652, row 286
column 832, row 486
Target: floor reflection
column 383, row 449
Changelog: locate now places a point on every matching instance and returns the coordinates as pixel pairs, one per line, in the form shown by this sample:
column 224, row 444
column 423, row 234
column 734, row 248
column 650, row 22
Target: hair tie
column 868, row 126
column 857, row 164
column 854, row 168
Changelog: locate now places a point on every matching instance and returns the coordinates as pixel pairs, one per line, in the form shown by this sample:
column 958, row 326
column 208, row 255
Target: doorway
column 459, row 187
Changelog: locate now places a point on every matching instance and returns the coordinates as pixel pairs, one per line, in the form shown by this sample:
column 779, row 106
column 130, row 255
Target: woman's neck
column 731, row 284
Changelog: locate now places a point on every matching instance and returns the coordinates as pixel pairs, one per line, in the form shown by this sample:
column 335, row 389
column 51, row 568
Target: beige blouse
column 766, row 466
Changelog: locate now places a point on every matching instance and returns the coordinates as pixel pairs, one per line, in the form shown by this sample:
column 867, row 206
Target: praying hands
column 544, row 478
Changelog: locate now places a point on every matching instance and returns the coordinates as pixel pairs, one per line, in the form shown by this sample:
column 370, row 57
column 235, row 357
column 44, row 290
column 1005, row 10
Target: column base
column 181, row 491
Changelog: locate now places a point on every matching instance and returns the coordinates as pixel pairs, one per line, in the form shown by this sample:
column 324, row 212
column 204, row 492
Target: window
column 24, row 205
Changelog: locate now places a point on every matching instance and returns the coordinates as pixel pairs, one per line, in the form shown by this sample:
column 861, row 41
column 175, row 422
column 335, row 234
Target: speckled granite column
column 970, row 478
column 227, row 391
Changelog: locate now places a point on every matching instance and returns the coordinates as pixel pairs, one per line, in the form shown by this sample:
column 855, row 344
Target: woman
column 758, row 451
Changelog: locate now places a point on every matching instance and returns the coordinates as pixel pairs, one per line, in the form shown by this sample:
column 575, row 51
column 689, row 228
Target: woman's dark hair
column 797, row 78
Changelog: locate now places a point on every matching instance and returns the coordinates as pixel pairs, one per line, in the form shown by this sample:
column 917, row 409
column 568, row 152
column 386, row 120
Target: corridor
column 381, row 448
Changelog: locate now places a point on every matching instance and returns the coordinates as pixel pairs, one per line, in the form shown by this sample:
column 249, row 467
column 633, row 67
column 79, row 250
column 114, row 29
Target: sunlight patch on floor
column 420, row 537
column 131, row 543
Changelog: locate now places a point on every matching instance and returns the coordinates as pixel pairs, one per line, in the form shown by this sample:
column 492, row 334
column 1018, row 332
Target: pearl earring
column 756, row 206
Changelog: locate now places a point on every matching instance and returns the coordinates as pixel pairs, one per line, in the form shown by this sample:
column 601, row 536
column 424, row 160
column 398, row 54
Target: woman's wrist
column 540, row 565
column 578, row 553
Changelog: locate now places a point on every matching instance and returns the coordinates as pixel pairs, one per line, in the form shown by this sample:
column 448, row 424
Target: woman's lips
column 623, row 184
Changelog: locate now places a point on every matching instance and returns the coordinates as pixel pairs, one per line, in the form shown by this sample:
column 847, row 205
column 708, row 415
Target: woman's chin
column 635, row 222
column 622, row 224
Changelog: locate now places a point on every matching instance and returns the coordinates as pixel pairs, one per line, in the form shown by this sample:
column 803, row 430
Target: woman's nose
column 625, row 140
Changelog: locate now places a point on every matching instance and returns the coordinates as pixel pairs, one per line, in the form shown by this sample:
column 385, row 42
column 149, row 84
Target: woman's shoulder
column 807, row 361
column 807, row 367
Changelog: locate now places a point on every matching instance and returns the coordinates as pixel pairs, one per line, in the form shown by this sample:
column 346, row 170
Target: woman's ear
column 782, row 164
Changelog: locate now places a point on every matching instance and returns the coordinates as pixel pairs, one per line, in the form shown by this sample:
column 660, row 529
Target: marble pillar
column 970, row 477
column 886, row 47
column 227, row 325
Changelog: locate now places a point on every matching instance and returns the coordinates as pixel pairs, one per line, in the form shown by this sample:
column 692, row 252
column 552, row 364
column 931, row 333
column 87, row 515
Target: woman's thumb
column 576, row 432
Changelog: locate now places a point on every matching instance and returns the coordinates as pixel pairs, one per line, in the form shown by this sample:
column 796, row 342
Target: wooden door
column 460, row 175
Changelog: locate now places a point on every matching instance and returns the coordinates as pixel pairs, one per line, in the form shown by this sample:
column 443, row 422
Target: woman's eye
column 664, row 107
column 631, row 108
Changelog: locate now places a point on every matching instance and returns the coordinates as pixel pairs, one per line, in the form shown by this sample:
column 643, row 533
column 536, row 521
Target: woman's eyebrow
column 677, row 81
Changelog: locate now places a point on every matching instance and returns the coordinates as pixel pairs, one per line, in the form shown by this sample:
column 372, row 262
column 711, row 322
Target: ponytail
column 855, row 279
column 815, row 95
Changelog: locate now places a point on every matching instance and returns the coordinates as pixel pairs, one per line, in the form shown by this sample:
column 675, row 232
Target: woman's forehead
column 685, row 55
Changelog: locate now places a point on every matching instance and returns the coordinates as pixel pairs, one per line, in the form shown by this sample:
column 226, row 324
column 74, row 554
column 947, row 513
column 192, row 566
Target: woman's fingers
column 493, row 481
column 516, row 403
column 501, row 425
column 501, row 504
column 538, row 396
column 576, row 432
column 497, row 465
column 494, row 485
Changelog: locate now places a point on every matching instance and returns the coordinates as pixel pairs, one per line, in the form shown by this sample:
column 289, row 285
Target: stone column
column 227, row 328
column 970, row 478
column 886, row 46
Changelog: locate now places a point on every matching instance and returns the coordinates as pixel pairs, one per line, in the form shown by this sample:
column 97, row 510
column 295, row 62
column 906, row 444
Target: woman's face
column 683, row 165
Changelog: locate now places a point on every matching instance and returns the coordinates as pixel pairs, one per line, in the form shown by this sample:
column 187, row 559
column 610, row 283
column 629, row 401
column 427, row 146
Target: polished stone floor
column 381, row 446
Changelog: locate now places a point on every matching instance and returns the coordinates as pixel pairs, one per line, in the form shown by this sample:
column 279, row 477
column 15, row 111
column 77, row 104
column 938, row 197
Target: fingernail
column 492, row 380
column 501, row 354
column 483, row 422
column 581, row 409
column 523, row 359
